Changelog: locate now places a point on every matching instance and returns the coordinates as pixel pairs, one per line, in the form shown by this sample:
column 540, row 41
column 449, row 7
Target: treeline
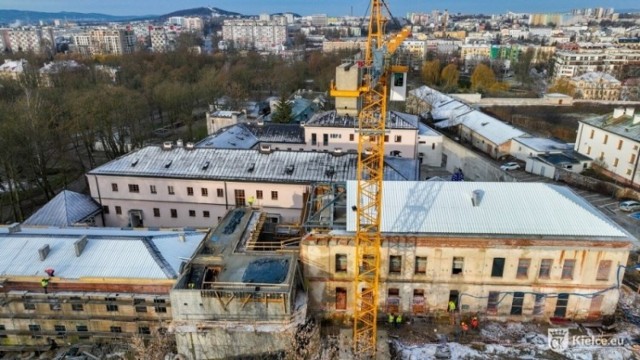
column 47, row 133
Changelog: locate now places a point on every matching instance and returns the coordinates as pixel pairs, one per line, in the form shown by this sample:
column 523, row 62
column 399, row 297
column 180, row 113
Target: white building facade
column 613, row 142
column 248, row 34
column 184, row 186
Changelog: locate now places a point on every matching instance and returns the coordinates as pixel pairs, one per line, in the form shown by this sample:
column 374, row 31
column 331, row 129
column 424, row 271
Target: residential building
column 545, row 19
column 106, row 41
column 171, row 186
column 37, row 40
column 344, row 44
column 254, row 34
column 610, row 60
column 103, row 284
column 235, row 298
column 547, row 254
column 193, row 24
column 597, row 86
column 479, row 51
column 162, row 39
column 613, row 142
column 417, row 48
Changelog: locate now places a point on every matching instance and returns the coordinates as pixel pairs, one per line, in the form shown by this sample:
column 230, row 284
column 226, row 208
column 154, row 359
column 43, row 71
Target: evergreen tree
column 284, row 111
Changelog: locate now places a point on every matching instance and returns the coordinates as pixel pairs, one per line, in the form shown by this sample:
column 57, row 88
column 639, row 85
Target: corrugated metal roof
column 111, row 253
column 65, row 209
column 520, row 209
column 235, row 165
column 247, row 135
column 332, row 119
column 454, row 113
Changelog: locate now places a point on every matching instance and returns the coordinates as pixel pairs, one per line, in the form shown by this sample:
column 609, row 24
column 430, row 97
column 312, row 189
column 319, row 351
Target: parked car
column 510, row 166
column 630, row 206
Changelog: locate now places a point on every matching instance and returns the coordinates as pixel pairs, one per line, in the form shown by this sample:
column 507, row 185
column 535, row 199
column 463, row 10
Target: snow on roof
column 596, row 77
column 521, row 209
column 230, row 137
column 454, row 113
column 543, row 144
column 15, row 66
column 57, row 66
column 331, row 119
column 247, row 135
column 65, row 209
column 484, row 125
column 238, row 164
column 225, row 113
column 109, row 252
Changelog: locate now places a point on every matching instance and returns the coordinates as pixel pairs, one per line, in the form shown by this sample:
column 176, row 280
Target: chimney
column 189, row 146
column 14, row 228
column 476, row 197
column 167, row 145
column 179, row 143
column 182, row 238
column 80, row 245
column 629, row 111
column 211, row 108
column 617, row 112
column 43, row 252
column 265, row 149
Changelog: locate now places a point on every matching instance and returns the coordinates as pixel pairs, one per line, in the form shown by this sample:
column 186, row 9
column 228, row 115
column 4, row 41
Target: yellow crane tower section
column 372, row 93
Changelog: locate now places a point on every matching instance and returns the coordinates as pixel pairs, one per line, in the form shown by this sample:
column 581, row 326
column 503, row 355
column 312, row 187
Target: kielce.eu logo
column 558, row 339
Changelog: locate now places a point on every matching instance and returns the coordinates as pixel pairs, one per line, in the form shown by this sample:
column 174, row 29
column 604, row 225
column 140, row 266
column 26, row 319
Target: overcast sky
column 307, row 7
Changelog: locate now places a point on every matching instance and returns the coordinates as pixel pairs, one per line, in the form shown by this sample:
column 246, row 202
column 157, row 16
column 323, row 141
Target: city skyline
column 303, row 7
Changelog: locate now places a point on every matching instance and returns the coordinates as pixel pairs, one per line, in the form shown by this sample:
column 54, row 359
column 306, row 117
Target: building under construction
column 517, row 251
column 243, row 293
column 87, row 285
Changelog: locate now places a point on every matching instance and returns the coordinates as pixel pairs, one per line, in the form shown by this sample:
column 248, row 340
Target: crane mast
column 373, row 93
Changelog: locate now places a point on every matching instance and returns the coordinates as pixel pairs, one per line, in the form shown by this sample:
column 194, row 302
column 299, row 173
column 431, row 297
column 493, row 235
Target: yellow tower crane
column 371, row 95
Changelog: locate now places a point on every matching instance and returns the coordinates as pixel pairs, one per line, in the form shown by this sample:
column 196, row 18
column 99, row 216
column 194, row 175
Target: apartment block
column 473, row 244
column 105, row 41
column 254, row 34
column 35, row 40
column 610, row 60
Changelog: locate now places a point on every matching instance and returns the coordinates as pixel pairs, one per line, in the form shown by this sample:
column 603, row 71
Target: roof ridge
column 158, row 258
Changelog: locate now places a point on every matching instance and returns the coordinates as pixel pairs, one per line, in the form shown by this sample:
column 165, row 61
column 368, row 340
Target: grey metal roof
column 622, row 126
column 332, row 119
column 240, row 165
column 247, row 136
column 520, row 209
column 543, row 144
column 109, row 253
column 65, row 209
